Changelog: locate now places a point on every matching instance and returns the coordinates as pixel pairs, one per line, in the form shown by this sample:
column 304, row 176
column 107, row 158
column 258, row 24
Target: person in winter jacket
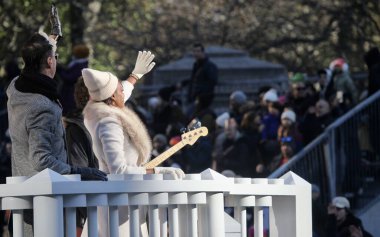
column 341, row 221
column 35, row 115
column 120, row 139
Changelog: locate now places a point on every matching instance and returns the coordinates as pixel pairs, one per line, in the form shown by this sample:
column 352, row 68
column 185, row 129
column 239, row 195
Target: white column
column 114, row 221
column 18, row 223
column 154, row 223
column 215, row 209
column 183, row 220
column 48, row 216
column 92, row 221
column 259, row 221
column 240, row 214
column 134, row 222
column 173, row 220
column 17, row 205
column 193, row 220
column 163, row 221
column 70, row 217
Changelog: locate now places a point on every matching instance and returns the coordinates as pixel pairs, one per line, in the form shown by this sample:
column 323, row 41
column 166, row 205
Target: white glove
column 175, row 172
column 143, row 63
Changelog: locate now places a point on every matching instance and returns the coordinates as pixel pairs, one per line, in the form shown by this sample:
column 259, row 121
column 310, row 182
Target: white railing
column 190, row 207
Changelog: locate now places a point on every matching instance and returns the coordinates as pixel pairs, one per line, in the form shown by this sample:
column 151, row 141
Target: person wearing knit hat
column 290, row 115
column 297, row 77
column 271, row 96
column 288, row 128
column 120, row 139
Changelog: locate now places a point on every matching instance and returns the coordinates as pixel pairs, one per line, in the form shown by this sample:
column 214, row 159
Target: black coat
column 204, row 77
column 79, row 143
column 335, row 230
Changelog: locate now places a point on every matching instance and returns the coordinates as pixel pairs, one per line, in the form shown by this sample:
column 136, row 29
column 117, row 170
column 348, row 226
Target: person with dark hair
column 341, row 222
column 70, row 74
column 325, row 87
column 79, row 143
column 35, row 115
column 204, row 75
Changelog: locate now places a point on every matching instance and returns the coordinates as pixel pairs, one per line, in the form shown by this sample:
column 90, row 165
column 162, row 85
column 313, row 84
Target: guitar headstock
column 192, row 136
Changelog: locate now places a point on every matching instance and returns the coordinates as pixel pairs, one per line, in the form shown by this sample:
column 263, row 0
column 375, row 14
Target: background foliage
column 304, row 35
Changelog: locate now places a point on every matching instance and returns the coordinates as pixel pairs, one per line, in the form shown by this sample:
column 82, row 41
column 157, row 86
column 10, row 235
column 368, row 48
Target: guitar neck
column 164, row 156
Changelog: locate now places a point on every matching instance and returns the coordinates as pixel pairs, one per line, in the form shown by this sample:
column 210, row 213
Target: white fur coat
column 122, row 144
column 120, row 139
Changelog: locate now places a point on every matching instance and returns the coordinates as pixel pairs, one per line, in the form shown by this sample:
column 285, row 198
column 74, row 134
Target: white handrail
column 194, row 206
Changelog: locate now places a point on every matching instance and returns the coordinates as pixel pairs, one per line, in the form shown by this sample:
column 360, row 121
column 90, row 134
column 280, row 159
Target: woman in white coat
column 120, row 139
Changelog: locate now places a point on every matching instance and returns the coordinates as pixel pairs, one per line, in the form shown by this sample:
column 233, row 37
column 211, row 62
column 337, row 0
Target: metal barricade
column 343, row 160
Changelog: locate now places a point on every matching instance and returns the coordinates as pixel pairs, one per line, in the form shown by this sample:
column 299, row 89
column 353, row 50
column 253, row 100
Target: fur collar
column 132, row 125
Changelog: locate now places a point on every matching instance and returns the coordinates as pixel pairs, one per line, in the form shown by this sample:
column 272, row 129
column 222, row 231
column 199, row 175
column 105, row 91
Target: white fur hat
column 289, row 115
column 271, row 96
column 100, row 85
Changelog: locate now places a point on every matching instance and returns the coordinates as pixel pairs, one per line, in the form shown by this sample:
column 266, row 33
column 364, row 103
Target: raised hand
column 144, row 63
column 55, row 22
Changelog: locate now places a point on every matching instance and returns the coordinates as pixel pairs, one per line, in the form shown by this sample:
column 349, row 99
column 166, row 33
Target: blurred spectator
column 372, row 59
column 204, row 75
column 316, row 121
column 323, row 113
column 269, row 127
column 343, row 83
column 270, row 97
column 160, row 144
column 300, row 97
column 5, row 159
column 70, row 74
column 236, row 153
column 287, row 151
column 271, row 122
column 236, row 101
column 220, row 137
column 204, row 114
column 168, row 116
column 198, row 156
column 341, row 221
column 11, row 70
column 288, row 128
column 319, row 213
column 324, row 86
column 250, row 130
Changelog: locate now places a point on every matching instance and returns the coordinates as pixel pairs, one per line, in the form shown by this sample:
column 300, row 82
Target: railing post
column 330, row 155
column 215, row 209
column 17, row 205
column 48, row 216
column 173, row 220
column 175, row 199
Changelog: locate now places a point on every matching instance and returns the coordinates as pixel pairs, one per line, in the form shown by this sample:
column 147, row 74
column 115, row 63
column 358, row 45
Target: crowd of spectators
column 254, row 137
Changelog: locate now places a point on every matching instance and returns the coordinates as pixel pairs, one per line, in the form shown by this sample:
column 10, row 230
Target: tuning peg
column 183, row 130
